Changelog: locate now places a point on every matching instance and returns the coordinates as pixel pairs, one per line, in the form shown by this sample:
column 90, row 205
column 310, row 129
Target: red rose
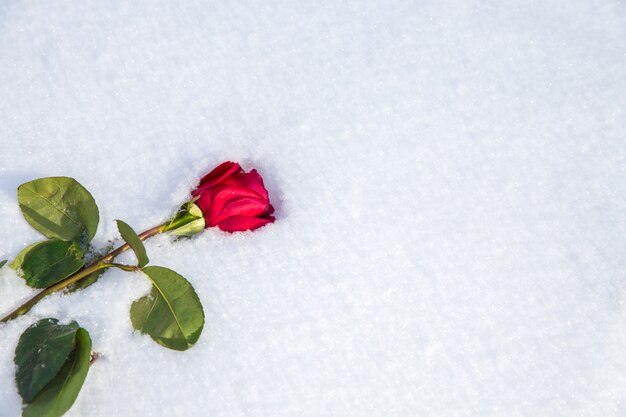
column 232, row 199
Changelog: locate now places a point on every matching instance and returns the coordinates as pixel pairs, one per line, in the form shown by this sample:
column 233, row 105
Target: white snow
column 450, row 185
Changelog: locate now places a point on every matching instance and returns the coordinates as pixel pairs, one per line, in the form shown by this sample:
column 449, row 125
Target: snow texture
column 449, row 179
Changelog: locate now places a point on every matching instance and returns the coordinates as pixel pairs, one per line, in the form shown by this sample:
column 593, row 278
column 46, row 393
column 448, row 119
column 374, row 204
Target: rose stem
column 104, row 262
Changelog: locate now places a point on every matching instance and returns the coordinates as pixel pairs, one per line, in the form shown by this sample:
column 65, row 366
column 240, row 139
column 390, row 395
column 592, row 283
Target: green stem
column 104, row 262
column 129, row 268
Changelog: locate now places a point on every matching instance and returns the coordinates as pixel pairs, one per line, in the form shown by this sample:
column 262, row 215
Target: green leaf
column 51, row 261
column 16, row 263
column 171, row 314
column 59, row 395
column 2, row 263
column 59, row 207
column 129, row 235
column 40, row 354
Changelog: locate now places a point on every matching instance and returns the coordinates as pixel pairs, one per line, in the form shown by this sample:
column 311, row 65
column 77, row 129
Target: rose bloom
column 232, row 199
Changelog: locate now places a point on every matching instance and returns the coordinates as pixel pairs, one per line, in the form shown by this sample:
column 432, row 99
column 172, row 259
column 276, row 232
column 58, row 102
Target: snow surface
column 450, row 185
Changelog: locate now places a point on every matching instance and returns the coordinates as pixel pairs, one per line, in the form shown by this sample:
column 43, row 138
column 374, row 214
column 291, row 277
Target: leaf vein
column 75, row 221
column 171, row 309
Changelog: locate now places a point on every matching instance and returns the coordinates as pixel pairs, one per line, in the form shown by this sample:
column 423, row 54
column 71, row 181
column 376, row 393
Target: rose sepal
column 188, row 221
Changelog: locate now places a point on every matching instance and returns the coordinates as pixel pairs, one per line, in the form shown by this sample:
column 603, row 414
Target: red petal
column 241, row 223
column 222, row 195
column 242, row 206
column 221, row 172
column 204, row 201
column 251, row 180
